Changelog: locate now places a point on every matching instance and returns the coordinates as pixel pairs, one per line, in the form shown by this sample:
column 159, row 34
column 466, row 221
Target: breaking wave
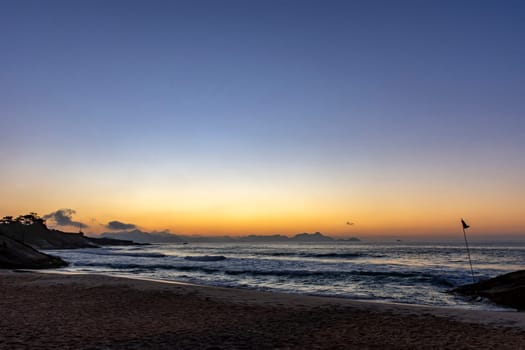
column 303, row 274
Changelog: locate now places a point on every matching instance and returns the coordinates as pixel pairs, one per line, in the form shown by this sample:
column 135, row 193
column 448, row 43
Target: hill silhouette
column 166, row 237
column 30, row 229
column 21, row 237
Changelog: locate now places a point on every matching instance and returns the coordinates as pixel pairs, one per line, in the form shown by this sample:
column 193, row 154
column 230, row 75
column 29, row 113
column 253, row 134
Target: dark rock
column 19, row 241
column 40, row 237
column 507, row 290
column 17, row 255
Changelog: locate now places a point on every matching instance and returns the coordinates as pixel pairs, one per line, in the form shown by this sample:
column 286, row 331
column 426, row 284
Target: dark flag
column 465, row 226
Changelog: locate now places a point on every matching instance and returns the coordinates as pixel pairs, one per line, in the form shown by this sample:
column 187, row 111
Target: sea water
column 401, row 272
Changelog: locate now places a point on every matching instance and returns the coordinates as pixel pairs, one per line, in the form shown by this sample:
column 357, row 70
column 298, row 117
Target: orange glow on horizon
column 288, row 205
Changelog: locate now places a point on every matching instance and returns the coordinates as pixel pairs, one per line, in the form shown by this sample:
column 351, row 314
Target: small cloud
column 64, row 217
column 117, row 225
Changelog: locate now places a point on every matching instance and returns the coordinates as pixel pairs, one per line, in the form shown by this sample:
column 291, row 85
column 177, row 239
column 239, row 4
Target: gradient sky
column 230, row 117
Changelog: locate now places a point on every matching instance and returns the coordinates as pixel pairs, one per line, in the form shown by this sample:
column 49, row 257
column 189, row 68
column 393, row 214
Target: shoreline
column 509, row 316
column 495, row 307
column 78, row 310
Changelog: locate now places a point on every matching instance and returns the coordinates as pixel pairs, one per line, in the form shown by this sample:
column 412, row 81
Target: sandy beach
column 81, row 311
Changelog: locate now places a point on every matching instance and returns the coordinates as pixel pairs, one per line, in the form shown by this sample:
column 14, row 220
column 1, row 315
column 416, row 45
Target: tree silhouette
column 6, row 220
column 28, row 219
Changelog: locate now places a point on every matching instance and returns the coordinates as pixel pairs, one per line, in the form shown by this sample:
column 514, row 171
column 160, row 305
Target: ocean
column 400, row 272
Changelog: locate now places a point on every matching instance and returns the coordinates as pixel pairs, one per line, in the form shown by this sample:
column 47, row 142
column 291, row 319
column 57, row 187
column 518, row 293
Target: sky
column 237, row 117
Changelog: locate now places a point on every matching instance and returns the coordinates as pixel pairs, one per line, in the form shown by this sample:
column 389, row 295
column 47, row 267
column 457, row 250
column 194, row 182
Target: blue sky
column 355, row 94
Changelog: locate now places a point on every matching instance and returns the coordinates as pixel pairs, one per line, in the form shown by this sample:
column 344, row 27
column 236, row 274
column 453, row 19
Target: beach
column 89, row 311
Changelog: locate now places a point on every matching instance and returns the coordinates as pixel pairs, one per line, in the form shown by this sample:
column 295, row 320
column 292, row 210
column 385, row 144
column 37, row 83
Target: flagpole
column 468, row 252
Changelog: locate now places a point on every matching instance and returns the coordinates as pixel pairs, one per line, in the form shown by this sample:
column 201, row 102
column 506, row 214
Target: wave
column 119, row 253
column 336, row 255
column 142, row 255
column 323, row 255
column 205, row 258
column 379, row 276
column 221, row 257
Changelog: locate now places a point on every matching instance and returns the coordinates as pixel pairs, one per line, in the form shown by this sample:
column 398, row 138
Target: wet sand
column 58, row 311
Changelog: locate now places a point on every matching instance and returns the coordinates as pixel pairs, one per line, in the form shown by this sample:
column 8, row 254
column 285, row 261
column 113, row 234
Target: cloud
column 117, row 225
column 64, row 217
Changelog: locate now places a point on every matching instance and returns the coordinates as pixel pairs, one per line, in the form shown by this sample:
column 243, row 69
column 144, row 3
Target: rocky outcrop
column 507, row 290
column 16, row 255
column 19, row 240
column 38, row 236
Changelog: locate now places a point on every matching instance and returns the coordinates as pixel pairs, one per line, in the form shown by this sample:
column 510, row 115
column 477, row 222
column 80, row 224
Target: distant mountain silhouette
column 261, row 238
column 351, row 239
column 144, row 237
column 311, row 237
column 166, row 237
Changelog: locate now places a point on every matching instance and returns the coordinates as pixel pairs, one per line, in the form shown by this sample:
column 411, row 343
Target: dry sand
column 58, row 311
